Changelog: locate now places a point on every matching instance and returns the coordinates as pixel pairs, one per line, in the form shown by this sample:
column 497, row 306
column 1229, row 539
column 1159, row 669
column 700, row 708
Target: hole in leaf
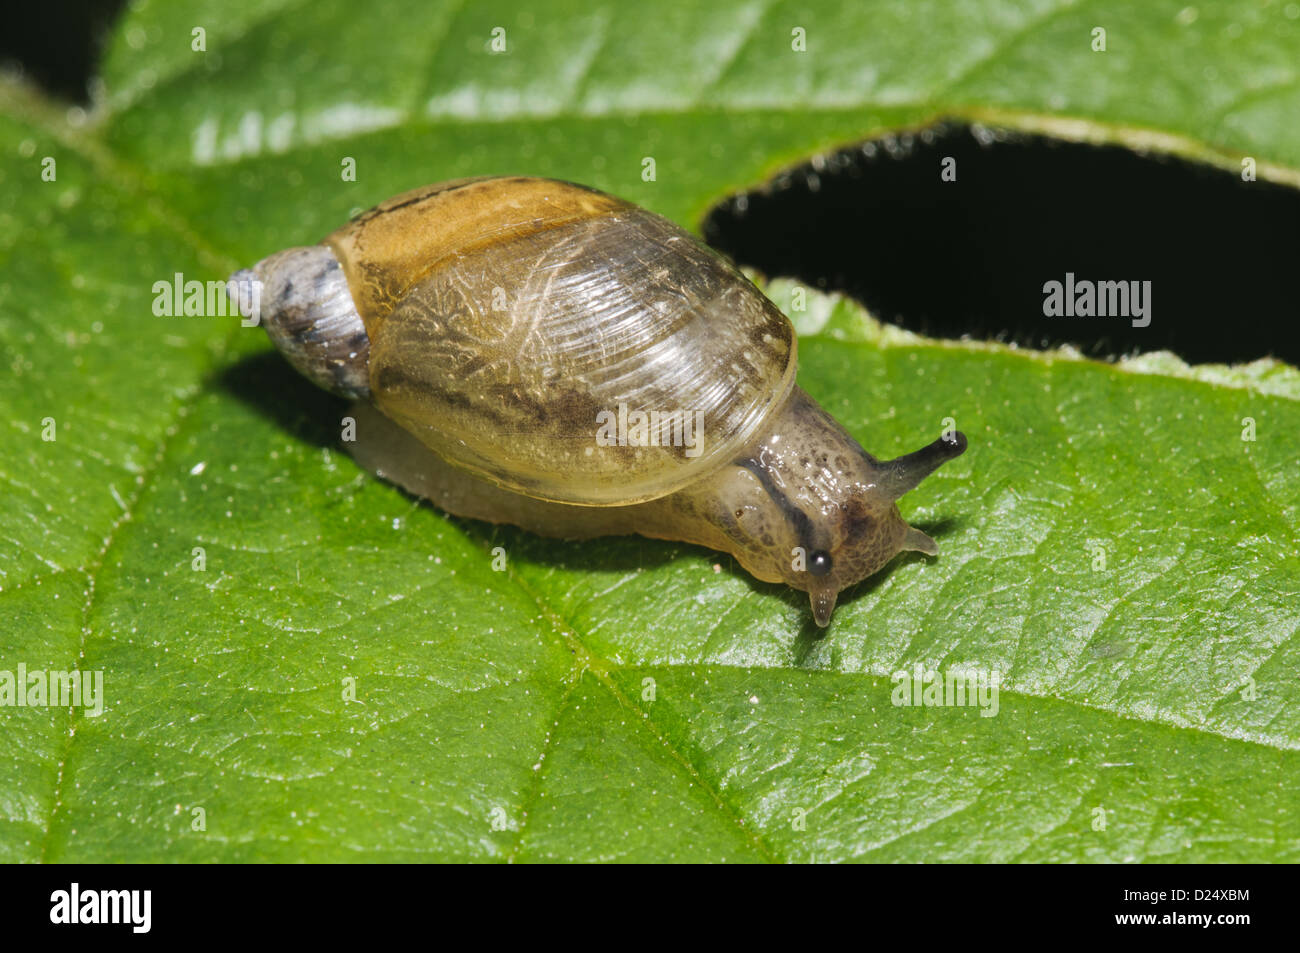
column 58, row 45
column 972, row 256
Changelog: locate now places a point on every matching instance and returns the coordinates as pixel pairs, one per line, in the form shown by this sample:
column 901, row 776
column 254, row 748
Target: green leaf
column 1112, row 548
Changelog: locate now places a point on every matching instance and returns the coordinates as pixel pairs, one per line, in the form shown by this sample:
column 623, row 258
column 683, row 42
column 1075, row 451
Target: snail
column 539, row 353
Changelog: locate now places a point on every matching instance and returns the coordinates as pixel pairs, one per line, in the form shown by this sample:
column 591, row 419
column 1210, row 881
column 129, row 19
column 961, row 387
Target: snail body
column 538, row 353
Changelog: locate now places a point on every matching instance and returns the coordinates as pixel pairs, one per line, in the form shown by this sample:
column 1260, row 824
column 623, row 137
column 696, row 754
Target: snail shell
column 501, row 334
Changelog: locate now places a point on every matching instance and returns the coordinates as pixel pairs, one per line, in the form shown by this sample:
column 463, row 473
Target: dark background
column 971, row 256
column 953, row 258
column 56, row 43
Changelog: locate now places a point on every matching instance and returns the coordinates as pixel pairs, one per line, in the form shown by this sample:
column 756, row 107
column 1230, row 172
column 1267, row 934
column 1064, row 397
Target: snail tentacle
column 903, row 474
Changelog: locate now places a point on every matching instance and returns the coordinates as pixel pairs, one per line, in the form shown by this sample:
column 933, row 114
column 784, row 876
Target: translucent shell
column 560, row 342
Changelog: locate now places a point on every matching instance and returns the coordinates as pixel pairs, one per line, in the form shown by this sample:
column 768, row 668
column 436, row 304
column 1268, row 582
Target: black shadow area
column 266, row 382
column 971, row 256
column 56, row 44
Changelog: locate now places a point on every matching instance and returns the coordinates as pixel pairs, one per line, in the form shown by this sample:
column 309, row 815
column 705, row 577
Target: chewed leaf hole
column 1196, row 259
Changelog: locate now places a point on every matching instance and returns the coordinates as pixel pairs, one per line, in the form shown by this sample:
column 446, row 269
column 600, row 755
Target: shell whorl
column 303, row 301
column 515, row 324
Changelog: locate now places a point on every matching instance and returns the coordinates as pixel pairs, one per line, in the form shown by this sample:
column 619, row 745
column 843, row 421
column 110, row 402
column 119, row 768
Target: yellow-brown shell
column 504, row 315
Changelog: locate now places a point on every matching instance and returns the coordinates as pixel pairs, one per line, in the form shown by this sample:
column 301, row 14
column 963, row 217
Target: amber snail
column 534, row 352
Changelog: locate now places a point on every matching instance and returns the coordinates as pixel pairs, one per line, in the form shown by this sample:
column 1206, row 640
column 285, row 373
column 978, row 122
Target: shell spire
column 301, row 297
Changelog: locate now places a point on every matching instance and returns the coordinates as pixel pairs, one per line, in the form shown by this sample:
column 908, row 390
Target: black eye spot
column 819, row 563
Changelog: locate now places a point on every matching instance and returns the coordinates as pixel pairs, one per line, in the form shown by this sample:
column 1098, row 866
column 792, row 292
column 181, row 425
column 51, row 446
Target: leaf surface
column 1111, row 547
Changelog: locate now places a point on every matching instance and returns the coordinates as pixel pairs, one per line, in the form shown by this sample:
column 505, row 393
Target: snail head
column 812, row 509
column 866, row 530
